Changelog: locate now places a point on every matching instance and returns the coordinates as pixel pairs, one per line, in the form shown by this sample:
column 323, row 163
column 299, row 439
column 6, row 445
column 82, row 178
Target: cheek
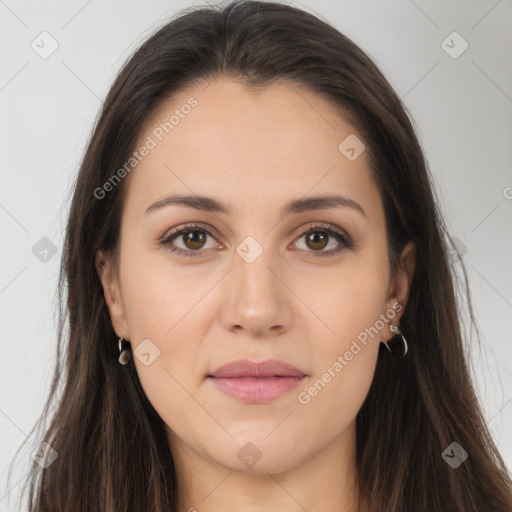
column 155, row 297
column 347, row 340
column 344, row 361
column 349, row 305
column 164, row 329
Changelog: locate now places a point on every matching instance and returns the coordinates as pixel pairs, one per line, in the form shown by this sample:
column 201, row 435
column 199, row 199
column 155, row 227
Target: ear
column 401, row 285
column 112, row 294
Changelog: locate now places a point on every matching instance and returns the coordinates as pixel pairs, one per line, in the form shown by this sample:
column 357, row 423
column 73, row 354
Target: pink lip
column 256, row 382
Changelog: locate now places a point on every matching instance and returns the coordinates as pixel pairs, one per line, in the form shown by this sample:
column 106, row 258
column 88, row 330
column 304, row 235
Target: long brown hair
column 113, row 453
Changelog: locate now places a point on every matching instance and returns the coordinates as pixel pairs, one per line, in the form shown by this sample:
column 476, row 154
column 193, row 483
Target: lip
column 247, row 368
column 256, row 382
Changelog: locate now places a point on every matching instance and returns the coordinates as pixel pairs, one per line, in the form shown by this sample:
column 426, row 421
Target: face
column 201, row 286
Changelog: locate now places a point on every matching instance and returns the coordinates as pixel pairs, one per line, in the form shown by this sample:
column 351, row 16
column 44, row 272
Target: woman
column 262, row 313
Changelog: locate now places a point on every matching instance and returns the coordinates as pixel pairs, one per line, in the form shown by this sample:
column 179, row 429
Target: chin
column 254, row 455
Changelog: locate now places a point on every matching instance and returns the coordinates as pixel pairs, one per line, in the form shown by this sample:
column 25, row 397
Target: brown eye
column 191, row 238
column 194, row 239
column 317, row 240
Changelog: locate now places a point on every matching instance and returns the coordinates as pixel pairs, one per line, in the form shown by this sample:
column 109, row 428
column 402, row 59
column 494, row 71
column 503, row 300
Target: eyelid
column 208, row 229
column 345, row 239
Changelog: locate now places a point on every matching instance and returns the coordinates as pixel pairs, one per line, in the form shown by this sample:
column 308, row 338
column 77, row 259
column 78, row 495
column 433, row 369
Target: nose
column 258, row 300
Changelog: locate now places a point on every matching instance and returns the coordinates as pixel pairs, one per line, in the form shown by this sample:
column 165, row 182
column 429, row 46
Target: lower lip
column 256, row 389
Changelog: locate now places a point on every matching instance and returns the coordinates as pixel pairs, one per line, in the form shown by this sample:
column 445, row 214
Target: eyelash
column 344, row 239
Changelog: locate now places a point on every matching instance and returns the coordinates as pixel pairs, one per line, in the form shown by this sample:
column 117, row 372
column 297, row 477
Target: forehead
column 240, row 145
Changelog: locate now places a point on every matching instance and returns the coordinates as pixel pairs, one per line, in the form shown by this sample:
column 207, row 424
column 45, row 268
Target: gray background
column 462, row 108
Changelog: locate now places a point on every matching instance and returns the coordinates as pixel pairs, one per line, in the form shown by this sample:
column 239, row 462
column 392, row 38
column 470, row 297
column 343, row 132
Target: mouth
column 253, row 382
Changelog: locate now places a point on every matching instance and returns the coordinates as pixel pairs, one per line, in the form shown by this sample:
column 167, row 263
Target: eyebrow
column 209, row 204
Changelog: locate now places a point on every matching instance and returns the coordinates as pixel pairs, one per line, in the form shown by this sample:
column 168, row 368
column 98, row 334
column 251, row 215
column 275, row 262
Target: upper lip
column 246, row 368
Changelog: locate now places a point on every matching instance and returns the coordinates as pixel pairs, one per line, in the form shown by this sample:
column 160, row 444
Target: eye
column 193, row 238
column 318, row 236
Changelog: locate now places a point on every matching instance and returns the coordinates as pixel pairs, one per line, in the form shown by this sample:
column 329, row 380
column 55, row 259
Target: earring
column 124, row 351
column 397, row 352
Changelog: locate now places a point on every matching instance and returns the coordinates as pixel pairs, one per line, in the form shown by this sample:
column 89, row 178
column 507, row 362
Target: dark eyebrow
column 208, row 204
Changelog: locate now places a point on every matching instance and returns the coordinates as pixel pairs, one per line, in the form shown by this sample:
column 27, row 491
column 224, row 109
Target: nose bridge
column 258, row 299
column 253, row 263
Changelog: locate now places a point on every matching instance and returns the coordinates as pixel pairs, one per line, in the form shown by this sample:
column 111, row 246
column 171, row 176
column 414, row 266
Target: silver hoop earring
column 124, row 351
column 398, row 352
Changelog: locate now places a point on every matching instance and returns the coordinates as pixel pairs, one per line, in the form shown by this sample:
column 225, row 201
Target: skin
column 255, row 151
